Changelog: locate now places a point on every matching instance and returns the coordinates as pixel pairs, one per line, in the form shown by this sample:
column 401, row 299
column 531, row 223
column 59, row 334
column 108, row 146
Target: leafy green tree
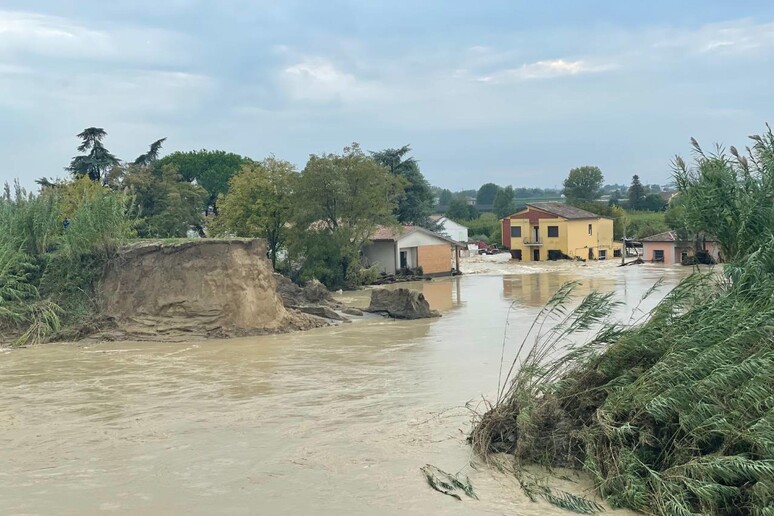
column 486, row 194
column 583, row 184
column 416, row 205
column 97, row 160
column 486, row 225
column 341, row 199
column 152, row 155
column 445, row 197
column 259, row 203
column 72, row 194
column 654, row 202
column 460, row 210
column 636, row 194
column 165, row 205
column 503, row 202
column 211, row 170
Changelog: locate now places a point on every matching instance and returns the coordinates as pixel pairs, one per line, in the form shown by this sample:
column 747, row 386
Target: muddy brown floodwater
column 331, row 421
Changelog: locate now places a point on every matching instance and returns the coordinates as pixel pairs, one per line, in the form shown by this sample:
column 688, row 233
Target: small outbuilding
column 668, row 248
column 409, row 247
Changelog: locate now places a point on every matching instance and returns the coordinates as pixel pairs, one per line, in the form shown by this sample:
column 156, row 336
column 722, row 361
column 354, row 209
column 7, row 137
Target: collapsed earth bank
column 194, row 289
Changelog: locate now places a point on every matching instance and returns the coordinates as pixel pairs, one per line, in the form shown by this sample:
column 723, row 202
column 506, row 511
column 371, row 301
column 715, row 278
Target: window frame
column 548, row 231
column 518, row 228
column 591, row 226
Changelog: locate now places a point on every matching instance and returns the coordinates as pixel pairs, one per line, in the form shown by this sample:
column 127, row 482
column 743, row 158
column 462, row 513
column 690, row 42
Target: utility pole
column 623, row 249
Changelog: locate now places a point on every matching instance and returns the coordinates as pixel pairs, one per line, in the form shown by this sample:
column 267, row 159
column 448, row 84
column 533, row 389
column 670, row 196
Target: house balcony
column 533, row 242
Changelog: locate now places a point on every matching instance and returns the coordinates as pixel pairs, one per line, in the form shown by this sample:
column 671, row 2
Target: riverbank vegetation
column 53, row 247
column 672, row 413
column 56, row 243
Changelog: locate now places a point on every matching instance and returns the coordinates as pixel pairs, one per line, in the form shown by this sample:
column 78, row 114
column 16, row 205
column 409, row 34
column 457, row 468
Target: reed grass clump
column 671, row 414
column 49, row 267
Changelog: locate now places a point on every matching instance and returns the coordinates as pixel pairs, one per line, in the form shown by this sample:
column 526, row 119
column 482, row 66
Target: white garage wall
column 381, row 253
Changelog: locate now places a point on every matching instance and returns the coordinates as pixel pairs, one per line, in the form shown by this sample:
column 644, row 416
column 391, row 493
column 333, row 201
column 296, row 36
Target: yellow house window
column 515, row 231
column 553, row 231
column 589, row 229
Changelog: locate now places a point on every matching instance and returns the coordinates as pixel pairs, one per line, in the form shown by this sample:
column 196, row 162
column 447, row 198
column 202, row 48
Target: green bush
column 362, row 276
column 98, row 226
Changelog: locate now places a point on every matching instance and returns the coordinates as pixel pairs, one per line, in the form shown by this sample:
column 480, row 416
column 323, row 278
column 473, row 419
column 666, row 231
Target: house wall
column 419, row 238
column 580, row 242
column 527, row 223
column 382, row 254
column 648, row 249
column 673, row 251
column 505, row 233
column 456, row 232
column 713, row 248
column 435, row 259
column 412, row 257
column 558, row 243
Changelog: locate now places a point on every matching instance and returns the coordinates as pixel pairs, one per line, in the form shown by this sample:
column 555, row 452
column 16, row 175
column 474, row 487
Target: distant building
column 554, row 230
column 409, row 247
column 451, row 229
column 669, row 249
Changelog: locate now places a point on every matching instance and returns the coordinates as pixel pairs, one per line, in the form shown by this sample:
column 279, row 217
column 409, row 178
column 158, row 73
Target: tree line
column 315, row 220
column 642, row 209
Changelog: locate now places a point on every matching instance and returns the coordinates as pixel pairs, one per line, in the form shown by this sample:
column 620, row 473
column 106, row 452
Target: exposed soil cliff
column 201, row 288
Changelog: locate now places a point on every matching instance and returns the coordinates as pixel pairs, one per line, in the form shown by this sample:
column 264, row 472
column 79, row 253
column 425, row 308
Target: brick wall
column 505, row 234
column 435, row 259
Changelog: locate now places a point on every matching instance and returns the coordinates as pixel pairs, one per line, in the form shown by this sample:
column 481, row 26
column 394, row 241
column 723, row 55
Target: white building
column 451, row 229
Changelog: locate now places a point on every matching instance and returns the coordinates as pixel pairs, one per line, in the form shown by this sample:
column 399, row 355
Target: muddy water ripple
column 331, row 421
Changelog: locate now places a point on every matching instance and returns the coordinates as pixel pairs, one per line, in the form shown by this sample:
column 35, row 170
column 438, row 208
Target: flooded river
column 331, row 421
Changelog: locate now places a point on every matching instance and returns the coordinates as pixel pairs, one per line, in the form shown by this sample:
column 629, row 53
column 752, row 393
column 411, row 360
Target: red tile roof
column 392, row 234
column 563, row 210
column 666, row 236
column 386, row 234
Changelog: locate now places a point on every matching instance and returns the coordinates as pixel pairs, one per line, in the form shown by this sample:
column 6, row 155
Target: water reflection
column 536, row 289
column 442, row 295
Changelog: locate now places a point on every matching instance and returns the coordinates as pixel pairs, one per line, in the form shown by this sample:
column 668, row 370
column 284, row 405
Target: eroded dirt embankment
column 202, row 288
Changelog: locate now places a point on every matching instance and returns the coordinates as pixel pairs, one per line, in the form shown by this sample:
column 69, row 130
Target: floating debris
column 446, row 483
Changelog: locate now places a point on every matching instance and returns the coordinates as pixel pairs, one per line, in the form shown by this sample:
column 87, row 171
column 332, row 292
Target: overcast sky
column 512, row 92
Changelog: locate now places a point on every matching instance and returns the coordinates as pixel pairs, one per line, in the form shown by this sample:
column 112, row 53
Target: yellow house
column 553, row 230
